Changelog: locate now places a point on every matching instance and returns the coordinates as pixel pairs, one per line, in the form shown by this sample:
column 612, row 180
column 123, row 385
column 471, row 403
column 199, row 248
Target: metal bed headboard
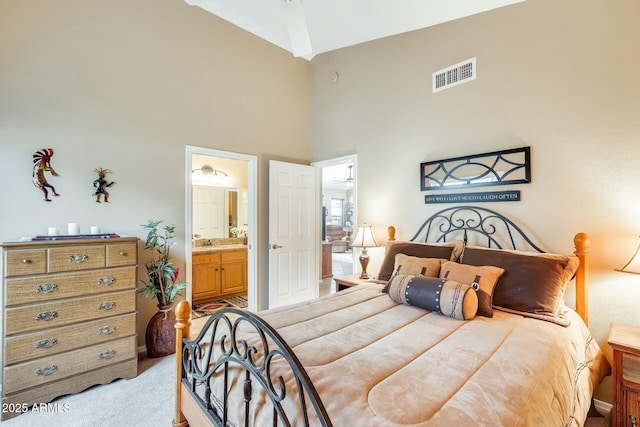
column 472, row 223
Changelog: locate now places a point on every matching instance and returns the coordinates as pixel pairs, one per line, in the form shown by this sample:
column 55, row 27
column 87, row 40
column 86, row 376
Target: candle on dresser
column 73, row 228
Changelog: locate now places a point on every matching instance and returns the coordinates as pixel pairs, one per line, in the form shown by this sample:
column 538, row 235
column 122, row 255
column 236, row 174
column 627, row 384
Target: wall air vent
column 454, row 75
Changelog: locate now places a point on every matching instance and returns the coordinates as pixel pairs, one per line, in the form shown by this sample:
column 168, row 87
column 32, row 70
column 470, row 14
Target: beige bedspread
column 377, row 363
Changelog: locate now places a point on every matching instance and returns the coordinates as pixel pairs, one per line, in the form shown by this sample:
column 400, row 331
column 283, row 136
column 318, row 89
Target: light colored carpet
column 147, row 400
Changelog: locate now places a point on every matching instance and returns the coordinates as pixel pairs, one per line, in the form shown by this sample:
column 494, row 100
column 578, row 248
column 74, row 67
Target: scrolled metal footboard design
column 238, row 354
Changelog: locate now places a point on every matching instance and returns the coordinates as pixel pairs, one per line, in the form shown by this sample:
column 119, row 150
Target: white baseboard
column 603, row 408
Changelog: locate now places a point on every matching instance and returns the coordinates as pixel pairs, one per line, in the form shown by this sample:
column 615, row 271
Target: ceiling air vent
column 454, row 75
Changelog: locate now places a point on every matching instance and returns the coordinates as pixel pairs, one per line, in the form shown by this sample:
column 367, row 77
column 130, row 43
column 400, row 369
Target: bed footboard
column 238, row 368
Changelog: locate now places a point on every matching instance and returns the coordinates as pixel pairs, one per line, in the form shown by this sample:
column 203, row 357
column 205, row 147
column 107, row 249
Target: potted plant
column 239, row 232
column 162, row 284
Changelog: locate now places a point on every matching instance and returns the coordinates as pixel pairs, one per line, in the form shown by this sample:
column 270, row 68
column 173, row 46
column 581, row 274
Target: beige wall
column 125, row 85
column 562, row 77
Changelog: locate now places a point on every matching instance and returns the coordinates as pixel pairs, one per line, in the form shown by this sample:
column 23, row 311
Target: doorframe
column 252, row 217
column 348, row 159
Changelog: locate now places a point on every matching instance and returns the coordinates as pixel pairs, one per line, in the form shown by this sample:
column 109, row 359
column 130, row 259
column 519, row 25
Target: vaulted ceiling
column 334, row 24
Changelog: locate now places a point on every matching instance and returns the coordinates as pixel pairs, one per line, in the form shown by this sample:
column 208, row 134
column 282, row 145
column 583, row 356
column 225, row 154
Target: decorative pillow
column 533, row 282
column 415, row 266
column 441, row 296
column 483, row 279
column 450, row 251
column 427, row 267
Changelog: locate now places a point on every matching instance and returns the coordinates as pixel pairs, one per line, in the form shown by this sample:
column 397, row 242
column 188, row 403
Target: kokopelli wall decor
column 101, row 184
column 42, row 164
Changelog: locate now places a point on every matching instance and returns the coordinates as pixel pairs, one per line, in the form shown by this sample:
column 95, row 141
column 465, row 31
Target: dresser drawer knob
column 78, row 258
column 45, row 288
column 107, row 354
column 106, row 280
column 106, row 330
column 26, row 261
column 123, row 254
column 46, row 343
column 107, row 305
column 47, row 370
column 46, row 315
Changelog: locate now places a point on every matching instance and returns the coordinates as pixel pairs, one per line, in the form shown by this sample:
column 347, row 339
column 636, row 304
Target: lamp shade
column 633, row 265
column 364, row 237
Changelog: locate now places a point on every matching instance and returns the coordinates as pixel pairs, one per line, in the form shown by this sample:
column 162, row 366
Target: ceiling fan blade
column 297, row 27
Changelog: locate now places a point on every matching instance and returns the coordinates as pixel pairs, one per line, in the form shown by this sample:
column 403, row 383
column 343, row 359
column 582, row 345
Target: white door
column 209, row 211
column 294, row 232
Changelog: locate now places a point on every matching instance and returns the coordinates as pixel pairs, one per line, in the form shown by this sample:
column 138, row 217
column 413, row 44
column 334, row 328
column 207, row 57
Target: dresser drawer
column 56, row 286
column 23, row 262
column 631, row 368
column 74, row 258
column 122, row 254
column 57, row 340
column 48, row 369
column 48, row 315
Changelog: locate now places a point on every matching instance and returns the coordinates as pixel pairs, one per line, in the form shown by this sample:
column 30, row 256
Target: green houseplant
column 160, row 337
column 163, row 275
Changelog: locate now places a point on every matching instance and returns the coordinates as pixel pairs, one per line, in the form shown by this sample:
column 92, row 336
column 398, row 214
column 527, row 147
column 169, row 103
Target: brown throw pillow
column 532, row 282
column 483, row 279
column 450, row 251
column 442, row 296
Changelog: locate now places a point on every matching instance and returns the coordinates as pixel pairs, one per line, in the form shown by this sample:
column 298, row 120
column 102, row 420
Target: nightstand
column 625, row 341
column 344, row 282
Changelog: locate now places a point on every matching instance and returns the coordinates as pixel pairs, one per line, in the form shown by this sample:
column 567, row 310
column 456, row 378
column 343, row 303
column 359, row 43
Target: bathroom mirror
column 219, row 197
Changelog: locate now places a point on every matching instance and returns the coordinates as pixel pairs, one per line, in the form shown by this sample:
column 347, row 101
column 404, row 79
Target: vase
column 160, row 337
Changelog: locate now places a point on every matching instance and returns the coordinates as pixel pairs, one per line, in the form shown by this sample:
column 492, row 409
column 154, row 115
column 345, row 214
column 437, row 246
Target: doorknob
column 274, row 246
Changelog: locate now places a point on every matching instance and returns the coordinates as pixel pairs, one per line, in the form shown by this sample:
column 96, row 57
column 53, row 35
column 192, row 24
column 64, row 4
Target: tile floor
column 342, row 264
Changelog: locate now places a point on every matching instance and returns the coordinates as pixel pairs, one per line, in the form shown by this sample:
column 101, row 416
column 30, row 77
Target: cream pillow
column 483, row 279
column 416, row 266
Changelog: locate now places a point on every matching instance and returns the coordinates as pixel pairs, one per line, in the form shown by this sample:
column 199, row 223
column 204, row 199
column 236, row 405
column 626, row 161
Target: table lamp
column 364, row 239
column 633, row 265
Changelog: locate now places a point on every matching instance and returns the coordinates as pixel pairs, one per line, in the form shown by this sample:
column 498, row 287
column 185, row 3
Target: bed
column 465, row 325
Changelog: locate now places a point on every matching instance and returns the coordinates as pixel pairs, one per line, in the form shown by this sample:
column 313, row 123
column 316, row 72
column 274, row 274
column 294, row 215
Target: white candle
column 73, row 228
column 53, row 231
column 95, row 229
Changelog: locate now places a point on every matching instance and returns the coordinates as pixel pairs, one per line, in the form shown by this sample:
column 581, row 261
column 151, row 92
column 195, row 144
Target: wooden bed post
column 183, row 312
column 582, row 244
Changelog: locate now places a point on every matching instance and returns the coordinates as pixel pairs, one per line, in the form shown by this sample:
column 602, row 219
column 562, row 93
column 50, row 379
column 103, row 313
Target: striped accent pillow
column 442, row 296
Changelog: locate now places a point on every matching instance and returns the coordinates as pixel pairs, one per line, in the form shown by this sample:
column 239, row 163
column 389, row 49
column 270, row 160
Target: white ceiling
column 336, row 177
column 334, row 24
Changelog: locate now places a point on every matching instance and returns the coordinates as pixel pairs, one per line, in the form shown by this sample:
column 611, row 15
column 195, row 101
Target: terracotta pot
column 160, row 337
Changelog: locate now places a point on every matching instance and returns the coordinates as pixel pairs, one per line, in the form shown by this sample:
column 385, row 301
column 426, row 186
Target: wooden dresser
column 69, row 318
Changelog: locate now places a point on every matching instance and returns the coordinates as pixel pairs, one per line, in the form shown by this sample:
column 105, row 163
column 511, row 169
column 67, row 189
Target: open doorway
column 221, row 205
column 338, row 219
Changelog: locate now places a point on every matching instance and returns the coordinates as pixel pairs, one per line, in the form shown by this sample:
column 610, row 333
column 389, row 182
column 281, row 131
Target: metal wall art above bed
column 477, row 170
